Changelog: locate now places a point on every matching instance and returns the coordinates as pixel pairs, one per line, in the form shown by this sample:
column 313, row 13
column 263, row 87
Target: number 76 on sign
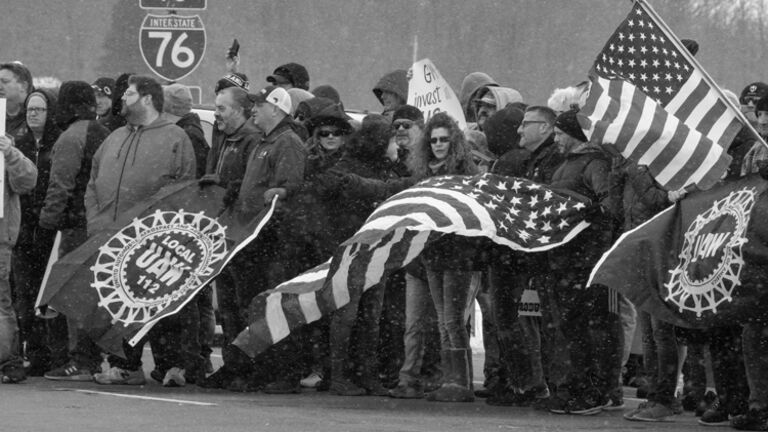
column 172, row 45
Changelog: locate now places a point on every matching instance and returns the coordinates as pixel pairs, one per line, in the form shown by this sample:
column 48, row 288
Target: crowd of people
column 77, row 155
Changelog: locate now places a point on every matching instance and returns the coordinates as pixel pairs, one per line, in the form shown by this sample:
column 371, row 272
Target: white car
column 207, row 119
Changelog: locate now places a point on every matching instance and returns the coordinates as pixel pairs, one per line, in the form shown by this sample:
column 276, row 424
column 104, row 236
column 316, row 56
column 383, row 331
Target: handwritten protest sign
column 430, row 92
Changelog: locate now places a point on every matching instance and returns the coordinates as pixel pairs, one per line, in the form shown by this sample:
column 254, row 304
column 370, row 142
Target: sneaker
column 13, row 374
column 615, row 400
column 710, row 397
column 345, row 387
column 283, row 386
column 116, row 375
column 716, row 415
column 589, row 402
column 69, row 372
column 174, row 378
column 653, row 412
column 311, row 380
column 753, row 420
column 510, row 397
column 157, row 375
column 407, row 391
column 218, row 380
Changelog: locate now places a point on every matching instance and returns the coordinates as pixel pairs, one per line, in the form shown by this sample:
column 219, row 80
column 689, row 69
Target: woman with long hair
column 451, row 263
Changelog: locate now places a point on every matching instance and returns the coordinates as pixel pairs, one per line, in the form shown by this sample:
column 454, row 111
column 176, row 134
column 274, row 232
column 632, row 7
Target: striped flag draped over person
column 518, row 213
column 652, row 100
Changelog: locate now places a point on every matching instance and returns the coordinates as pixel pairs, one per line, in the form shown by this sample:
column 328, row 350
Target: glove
column 329, row 183
column 233, row 192
column 271, row 193
column 208, row 180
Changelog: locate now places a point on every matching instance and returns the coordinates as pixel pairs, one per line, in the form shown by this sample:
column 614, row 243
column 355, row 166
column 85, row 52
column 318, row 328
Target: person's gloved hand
column 233, row 192
column 269, row 194
column 208, row 180
column 328, row 183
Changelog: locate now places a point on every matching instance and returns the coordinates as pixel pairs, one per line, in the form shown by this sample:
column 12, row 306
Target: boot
column 458, row 385
column 445, row 372
column 341, row 385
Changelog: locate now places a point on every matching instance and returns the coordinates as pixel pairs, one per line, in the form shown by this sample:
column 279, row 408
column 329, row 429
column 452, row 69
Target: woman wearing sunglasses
column 451, row 263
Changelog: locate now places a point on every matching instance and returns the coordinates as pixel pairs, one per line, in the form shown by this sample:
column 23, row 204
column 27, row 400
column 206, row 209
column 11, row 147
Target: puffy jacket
column 64, row 206
column 586, row 174
column 132, row 164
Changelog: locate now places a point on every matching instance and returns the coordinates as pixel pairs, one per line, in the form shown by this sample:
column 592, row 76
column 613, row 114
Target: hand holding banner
column 430, row 92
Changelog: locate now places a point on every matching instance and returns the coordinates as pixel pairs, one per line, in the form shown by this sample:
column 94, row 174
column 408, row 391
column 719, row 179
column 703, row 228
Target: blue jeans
column 453, row 293
column 8, row 326
column 419, row 317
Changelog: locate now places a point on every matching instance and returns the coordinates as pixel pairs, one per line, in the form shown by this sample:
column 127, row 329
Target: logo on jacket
column 154, row 261
column 711, row 259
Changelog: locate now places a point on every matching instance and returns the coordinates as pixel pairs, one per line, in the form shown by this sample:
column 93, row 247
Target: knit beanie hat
column 568, row 123
column 756, row 90
column 762, row 104
column 177, row 99
column 408, row 112
column 235, row 79
column 293, row 73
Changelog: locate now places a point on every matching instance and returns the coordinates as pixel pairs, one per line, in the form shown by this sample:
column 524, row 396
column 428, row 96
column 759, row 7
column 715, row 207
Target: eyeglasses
column 37, row 110
column 442, row 139
column 404, row 124
column 530, row 122
column 327, row 133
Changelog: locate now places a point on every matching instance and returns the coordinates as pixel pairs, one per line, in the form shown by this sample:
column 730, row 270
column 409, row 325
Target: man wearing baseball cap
column 103, row 89
column 275, row 168
column 290, row 75
column 749, row 97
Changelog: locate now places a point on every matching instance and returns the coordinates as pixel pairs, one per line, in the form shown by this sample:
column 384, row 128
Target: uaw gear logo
column 711, row 259
column 155, row 261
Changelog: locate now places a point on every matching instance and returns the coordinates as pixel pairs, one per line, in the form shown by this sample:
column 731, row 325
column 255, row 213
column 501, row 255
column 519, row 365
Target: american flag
column 518, row 213
column 651, row 99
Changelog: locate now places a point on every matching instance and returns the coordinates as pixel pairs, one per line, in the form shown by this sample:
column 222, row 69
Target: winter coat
column 394, row 82
column 40, row 155
column 72, row 156
column 229, row 154
column 586, row 174
column 20, row 178
column 132, row 164
column 643, row 197
column 190, row 122
column 277, row 161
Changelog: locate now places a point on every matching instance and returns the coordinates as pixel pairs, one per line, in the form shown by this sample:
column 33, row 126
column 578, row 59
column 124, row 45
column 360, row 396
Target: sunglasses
column 443, row 139
column 327, row 133
column 405, row 125
column 37, row 110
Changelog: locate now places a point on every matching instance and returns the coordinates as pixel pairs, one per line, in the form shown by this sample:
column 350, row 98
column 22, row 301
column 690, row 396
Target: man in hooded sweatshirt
column 133, row 163
column 392, row 91
column 64, row 206
column 470, row 86
column 491, row 99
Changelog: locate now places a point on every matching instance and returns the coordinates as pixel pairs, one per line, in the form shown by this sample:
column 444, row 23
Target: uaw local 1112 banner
column 148, row 264
column 702, row 262
column 430, row 92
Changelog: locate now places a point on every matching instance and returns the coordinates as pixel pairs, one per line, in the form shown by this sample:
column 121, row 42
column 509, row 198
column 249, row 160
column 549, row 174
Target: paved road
column 40, row 405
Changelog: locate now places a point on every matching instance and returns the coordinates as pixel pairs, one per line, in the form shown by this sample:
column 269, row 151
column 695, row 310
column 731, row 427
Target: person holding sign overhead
column 20, row 178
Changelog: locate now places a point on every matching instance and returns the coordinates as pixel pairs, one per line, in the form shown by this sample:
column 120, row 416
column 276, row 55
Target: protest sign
column 430, row 92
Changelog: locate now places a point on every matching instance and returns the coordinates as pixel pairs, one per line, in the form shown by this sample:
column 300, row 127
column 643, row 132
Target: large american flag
column 518, row 213
column 657, row 106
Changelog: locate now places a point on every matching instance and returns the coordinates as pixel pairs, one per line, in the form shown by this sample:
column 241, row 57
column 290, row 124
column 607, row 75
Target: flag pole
column 688, row 56
column 415, row 48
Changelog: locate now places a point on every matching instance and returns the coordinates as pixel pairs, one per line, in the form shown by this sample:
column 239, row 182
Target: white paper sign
column 430, row 92
column 2, row 160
